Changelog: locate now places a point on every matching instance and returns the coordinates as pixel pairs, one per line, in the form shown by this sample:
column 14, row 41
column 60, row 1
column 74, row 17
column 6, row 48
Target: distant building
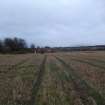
column 44, row 50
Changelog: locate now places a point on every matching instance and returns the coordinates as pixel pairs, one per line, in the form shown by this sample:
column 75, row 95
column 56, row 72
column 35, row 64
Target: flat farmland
column 74, row 78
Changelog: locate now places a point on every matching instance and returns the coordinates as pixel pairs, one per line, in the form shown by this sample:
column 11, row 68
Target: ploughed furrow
column 37, row 82
column 88, row 95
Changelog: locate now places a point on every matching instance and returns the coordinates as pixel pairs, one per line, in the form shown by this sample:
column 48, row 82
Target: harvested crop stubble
column 83, row 87
column 95, row 76
column 13, row 59
column 55, row 88
column 16, row 84
column 76, row 78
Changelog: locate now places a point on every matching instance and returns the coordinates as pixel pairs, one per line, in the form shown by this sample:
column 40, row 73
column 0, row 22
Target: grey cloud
column 54, row 23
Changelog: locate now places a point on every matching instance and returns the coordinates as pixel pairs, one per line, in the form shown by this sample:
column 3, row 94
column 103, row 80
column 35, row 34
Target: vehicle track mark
column 18, row 64
column 84, row 90
column 37, row 82
column 90, row 63
column 64, row 79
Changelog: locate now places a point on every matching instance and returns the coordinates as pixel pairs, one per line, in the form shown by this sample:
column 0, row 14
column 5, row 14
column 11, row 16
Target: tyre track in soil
column 82, row 88
column 81, row 93
column 16, row 66
column 19, row 63
column 37, row 82
column 62, row 76
column 90, row 63
column 54, row 69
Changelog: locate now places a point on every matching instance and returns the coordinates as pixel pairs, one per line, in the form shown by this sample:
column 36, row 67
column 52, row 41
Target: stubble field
column 75, row 78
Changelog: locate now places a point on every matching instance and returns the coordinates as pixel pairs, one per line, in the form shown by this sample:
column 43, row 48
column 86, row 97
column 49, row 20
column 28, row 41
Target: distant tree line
column 18, row 45
column 15, row 45
column 81, row 48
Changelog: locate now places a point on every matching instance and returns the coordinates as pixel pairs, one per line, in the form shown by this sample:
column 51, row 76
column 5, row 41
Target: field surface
column 75, row 78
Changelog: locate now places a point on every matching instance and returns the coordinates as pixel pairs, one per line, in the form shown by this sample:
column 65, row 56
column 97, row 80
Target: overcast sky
column 54, row 22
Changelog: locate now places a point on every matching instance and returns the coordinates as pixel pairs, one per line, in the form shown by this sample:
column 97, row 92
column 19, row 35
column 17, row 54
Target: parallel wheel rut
column 87, row 94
